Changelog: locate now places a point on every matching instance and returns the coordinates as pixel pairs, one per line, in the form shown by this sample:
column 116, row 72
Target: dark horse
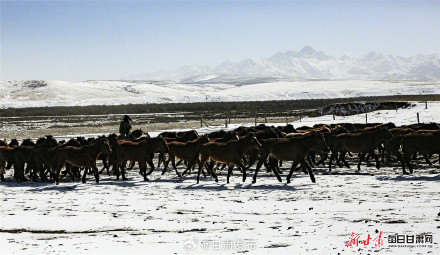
column 293, row 149
column 230, row 153
column 141, row 152
column 188, row 151
column 425, row 143
column 84, row 156
column 362, row 143
column 43, row 157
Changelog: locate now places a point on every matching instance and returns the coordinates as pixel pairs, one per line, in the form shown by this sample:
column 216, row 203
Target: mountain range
column 306, row 64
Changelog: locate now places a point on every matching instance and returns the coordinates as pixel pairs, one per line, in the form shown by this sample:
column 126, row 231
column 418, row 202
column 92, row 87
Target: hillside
column 20, row 94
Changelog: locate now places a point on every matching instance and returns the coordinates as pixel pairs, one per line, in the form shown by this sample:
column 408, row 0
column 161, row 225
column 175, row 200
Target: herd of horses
column 210, row 153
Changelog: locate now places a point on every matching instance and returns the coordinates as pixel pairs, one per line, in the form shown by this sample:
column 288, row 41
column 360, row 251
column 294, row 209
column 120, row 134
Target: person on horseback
column 124, row 127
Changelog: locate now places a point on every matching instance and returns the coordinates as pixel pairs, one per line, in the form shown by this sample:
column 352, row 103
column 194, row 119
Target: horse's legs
column 188, row 168
column 202, row 163
column 406, row 158
column 402, row 161
column 57, row 174
column 324, row 156
column 342, row 158
column 427, row 159
column 96, row 173
column 2, row 170
column 143, row 169
column 382, row 153
column 267, row 165
column 69, row 171
column 309, row 158
column 132, row 163
column 160, row 159
column 84, row 175
column 294, row 164
column 190, row 164
column 304, row 164
column 230, row 167
column 165, row 165
column 115, row 168
column 338, row 158
column 375, row 158
column 263, row 158
column 150, row 163
column 330, row 162
column 106, row 166
column 122, row 167
column 275, row 169
column 179, row 162
column 361, row 157
column 410, row 166
column 241, row 165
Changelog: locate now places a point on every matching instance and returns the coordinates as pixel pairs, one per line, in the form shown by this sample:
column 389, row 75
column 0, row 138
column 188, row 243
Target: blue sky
column 81, row 40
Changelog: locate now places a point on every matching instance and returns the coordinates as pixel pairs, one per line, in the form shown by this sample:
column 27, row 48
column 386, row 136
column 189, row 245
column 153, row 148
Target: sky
column 96, row 40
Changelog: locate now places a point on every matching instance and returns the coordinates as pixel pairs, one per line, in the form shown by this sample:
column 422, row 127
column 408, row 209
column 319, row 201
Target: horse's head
column 232, row 135
column 252, row 141
column 204, row 139
column 14, row 142
column 319, row 141
column 27, row 142
column 103, row 145
column 3, row 142
column 136, row 133
column 322, row 143
column 50, row 141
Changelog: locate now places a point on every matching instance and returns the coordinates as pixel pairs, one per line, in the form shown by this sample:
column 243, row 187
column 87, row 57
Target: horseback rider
column 124, row 127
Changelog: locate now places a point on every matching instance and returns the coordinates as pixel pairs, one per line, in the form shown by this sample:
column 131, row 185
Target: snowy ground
column 18, row 94
column 171, row 215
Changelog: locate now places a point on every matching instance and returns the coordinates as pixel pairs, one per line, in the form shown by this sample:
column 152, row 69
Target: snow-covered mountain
column 310, row 64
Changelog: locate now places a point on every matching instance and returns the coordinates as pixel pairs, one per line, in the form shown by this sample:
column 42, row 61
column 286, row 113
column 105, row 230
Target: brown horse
column 22, row 155
column 425, row 143
column 362, row 143
column 392, row 145
column 293, row 149
column 43, row 157
column 137, row 134
column 84, row 156
column 188, row 151
column 5, row 157
column 141, row 152
column 230, row 153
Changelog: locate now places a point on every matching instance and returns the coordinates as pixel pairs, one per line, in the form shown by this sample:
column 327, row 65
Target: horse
column 230, row 153
column 188, row 151
column 183, row 137
column 361, row 143
column 22, row 155
column 392, row 145
column 293, row 149
column 423, row 126
column 84, row 156
column 425, row 143
column 5, row 157
column 137, row 134
column 141, row 152
column 42, row 156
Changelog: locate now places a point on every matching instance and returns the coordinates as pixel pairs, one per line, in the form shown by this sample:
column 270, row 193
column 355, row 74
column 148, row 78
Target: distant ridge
column 309, row 64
